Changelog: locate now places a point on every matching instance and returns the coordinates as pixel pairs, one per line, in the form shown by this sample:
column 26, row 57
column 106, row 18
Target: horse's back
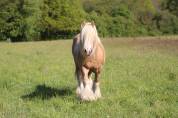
column 75, row 44
column 76, row 48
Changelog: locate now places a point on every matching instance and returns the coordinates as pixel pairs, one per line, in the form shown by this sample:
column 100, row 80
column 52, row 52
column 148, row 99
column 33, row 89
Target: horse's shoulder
column 100, row 53
column 101, row 47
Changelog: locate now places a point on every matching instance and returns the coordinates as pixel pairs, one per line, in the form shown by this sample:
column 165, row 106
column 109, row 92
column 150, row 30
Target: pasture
column 139, row 79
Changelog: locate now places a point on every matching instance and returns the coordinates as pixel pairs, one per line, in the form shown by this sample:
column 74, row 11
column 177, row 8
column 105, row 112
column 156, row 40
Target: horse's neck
column 98, row 40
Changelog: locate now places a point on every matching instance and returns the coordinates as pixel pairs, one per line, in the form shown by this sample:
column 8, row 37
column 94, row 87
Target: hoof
column 97, row 93
column 87, row 94
column 79, row 89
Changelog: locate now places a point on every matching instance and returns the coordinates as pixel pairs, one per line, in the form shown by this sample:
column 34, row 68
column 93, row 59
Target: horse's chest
column 91, row 63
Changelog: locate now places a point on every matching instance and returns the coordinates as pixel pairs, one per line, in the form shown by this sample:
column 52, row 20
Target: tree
column 171, row 5
column 12, row 24
column 60, row 19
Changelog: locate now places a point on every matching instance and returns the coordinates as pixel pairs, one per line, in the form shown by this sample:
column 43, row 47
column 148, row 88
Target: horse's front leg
column 80, row 86
column 96, row 85
column 87, row 93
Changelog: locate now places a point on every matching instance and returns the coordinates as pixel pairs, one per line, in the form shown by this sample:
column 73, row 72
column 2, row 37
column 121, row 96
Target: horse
column 89, row 57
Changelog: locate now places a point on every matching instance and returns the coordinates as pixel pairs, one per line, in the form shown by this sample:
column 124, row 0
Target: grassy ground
column 140, row 79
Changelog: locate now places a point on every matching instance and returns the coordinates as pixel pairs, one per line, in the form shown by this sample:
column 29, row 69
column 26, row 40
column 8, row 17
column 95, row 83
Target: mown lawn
column 139, row 79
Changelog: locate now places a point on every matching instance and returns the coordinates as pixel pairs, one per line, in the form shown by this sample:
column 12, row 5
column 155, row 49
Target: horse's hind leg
column 90, row 78
column 96, row 86
column 87, row 93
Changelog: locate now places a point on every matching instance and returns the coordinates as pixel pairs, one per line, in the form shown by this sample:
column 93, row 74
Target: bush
column 166, row 23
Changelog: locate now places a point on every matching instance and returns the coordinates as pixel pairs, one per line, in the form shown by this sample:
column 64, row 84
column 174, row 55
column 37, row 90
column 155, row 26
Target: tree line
column 29, row 20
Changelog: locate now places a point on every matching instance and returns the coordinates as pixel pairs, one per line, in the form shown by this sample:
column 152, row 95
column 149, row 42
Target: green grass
column 139, row 79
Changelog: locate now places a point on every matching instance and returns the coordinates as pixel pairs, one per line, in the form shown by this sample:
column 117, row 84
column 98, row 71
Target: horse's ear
column 92, row 23
column 82, row 24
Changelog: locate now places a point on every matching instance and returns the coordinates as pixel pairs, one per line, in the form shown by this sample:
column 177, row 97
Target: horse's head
column 88, row 36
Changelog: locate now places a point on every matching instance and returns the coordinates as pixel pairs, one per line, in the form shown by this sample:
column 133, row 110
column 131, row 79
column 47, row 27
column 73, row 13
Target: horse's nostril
column 85, row 50
column 88, row 52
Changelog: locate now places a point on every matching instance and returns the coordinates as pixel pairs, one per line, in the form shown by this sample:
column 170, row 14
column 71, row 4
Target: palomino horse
column 89, row 57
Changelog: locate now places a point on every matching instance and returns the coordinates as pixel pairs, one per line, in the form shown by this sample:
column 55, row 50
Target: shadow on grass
column 44, row 92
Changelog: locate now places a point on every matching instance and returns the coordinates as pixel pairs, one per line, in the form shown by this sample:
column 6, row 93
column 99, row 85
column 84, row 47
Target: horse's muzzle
column 88, row 52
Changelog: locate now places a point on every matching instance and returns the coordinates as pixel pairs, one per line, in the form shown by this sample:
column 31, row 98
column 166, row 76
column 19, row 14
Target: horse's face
column 88, row 37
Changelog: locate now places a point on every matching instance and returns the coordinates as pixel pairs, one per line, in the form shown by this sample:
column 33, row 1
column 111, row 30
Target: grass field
column 139, row 80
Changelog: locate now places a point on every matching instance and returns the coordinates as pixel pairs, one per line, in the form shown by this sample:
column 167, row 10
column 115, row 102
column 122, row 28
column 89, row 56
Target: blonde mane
column 89, row 30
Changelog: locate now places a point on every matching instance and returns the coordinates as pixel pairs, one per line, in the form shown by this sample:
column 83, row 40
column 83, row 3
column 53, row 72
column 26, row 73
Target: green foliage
column 167, row 23
column 171, row 5
column 25, row 20
column 32, row 18
column 61, row 19
column 11, row 21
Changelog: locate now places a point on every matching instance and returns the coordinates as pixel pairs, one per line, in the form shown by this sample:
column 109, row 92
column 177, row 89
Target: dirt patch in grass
column 145, row 43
